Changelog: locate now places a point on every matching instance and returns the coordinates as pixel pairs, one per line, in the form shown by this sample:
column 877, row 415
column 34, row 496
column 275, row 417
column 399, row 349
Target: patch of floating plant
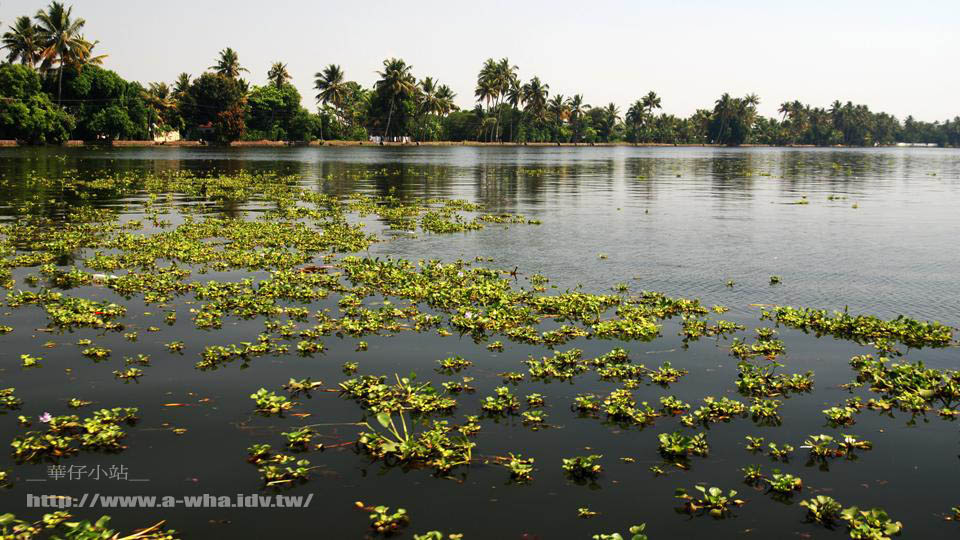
column 582, row 469
column 712, row 501
column 63, row 525
column 438, row 445
column 781, row 486
column 910, row 387
column 872, row 524
column 278, row 470
column 863, row 328
column 635, row 532
column 66, row 435
column 374, row 394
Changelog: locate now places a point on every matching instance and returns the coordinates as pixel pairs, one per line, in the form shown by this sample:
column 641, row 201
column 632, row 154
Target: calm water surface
column 682, row 221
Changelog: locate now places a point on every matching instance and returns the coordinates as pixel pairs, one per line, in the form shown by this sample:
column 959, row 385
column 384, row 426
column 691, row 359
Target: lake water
column 682, row 221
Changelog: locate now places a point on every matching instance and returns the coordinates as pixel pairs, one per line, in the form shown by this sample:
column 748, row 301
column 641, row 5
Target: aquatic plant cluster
column 298, row 250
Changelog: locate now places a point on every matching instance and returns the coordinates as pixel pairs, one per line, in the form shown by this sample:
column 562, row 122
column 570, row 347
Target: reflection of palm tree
column 22, row 42
column 396, row 82
column 228, row 64
column 278, row 74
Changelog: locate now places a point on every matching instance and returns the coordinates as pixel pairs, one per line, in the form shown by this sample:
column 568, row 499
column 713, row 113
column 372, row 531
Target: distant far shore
column 276, row 144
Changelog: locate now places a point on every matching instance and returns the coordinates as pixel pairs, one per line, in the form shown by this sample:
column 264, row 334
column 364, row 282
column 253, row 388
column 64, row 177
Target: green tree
column 26, row 112
column 732, row 119
column 217, row 100
column 270, row 111
column 105, row 105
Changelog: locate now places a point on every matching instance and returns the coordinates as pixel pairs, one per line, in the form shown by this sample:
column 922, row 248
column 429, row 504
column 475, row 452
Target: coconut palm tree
column 506, row 73
column 396, row 82
column 60, row 38
column 23, row 42
column 559, row 109
column 577, row 109
column 535, row 95
column 159, row 97
column 515, row 99
column 434, row 98
column 278, row 74
column 330, row 86
column 331, row 89
column 182, row 85
column 651, row 101
column 84, row 55
column 611, row 115
column 636, row 115
column 228, row 64
column 488, row 87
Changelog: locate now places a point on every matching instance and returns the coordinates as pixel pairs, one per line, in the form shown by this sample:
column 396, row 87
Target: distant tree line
column 53, row 88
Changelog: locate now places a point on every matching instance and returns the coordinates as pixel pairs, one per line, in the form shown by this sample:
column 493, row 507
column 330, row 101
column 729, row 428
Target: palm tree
column 506, row 73
column 331, row 88
column 559, row 108
column 723, row 108
column 84, row 54
column 330, row 85
column 61, row 39
column 397, row 82
column 23, row 42
column 515, row 98
column 535, row 96
column 577, row 108
column 159, row 97
column 434, row 98
column 182, row 85
column 228, row 64
column 488, row 88
column 636, row 115
column 445, row 100
column 651, row 101
column 278, row 74
column 611, row 115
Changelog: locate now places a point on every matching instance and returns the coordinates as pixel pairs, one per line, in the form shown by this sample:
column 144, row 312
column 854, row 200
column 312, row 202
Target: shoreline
column 7, row 143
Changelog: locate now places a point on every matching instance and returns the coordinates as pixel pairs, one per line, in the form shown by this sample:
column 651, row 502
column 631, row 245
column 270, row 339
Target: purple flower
column 46, row 417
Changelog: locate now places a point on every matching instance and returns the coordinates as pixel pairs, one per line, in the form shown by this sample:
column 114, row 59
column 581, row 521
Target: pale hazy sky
column 901, row 56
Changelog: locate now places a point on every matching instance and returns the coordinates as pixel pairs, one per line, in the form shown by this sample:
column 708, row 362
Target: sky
column 900, row 57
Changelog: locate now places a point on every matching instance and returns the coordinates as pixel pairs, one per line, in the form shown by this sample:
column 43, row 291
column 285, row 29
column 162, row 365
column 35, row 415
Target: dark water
column 680, row 221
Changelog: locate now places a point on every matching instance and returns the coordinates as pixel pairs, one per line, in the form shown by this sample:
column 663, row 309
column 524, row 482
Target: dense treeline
column 53, row 87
